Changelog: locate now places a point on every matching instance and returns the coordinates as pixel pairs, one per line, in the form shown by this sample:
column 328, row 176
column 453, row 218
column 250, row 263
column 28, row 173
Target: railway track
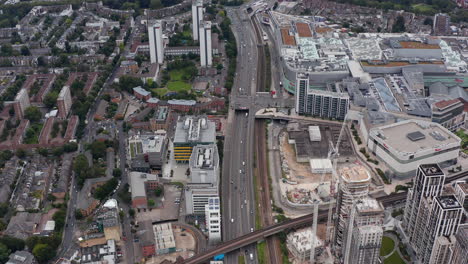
column 273, row 243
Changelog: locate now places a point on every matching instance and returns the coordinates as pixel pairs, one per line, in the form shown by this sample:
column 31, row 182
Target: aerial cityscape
column 233, row 131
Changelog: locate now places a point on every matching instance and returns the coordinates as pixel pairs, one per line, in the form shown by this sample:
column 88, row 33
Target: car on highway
column 251, row 229
column 243, row 163
column 232, row 220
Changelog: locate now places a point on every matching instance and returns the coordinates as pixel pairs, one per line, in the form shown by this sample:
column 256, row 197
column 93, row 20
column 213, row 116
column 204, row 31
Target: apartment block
column 213, row 220
column 327, row 103
column 460, row 249
column 365, row 230
column 197, row 16
column 21, row 103
column 156, row 44
column 64, row 102
column 206, row 53
column 428, row 182
column 443, row 221
column 354, row 186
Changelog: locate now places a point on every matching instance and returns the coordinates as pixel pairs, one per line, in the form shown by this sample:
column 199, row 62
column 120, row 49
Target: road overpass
column 293, row 223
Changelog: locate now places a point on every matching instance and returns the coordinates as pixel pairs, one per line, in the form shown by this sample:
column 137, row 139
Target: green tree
column 117, row 172
column 399, row 25
column 21, row 153
column 428, row 21
column 151, row 203
column 51, row 99
column 33, row 114
column 25, row 51
column 43, row 252
column 70, row 147
column 12, row 243
column 3, row 209
column 103, row 191
column 78, row 214
column 43, row 151
column 59, row 218
column 6, row 50
column 98, row 149
column 51, row 197
column 4, row 253
column 131, row 212
column 159, row 191
column 81, row 168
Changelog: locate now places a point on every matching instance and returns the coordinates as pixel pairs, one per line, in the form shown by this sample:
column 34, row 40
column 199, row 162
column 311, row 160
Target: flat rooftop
column 379, row 63
column 448, row 202
column 287, row 39
column 354, row 174
column 369, row 205
column 431, row 169
column 417, row 45
column 137, row 183
column 303, row 30
column 415, row 136
column 195, row 129
column 365, row 48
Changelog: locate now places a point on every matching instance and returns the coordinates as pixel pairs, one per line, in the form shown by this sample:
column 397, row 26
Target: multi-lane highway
column 237, row 181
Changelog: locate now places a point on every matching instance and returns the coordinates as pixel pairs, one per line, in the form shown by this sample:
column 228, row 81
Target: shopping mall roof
column 288, row 39
column 412, row 136
column 365, row 48
column 303, row 30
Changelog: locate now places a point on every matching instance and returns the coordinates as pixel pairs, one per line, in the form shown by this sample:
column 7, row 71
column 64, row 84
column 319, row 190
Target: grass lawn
column 423, row 8
column 394, row 259
column 387, row 246
column 175, row 84
column 176, row 75
column 178, row 86
column 241, row 259
column 261, row 247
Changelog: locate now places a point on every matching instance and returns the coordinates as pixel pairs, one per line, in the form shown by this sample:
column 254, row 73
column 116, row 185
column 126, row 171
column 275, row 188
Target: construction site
column 306, row 151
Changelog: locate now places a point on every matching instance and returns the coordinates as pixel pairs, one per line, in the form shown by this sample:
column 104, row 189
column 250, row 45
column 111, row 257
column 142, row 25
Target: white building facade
column 406, row 144
column 197, row 16
column 156, row 44
column 206, row 53
column 213, row 220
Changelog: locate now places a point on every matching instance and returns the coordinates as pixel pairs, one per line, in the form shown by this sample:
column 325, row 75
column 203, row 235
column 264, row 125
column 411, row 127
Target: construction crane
column 333, row 154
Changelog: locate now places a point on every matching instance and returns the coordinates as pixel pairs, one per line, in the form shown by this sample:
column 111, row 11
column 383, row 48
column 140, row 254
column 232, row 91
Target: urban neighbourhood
column 229, row 131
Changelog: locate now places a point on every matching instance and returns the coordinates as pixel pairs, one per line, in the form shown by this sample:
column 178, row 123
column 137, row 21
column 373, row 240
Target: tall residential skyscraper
column 206, row 54
column 444, row 217
column 64, row 102
column 156, row 44
column 460, row 249
column 428, row 182
column 197, row 16
column 330, row 102
column 354, row 186
column 366, row 239
column 461, row 192
column 21, row 103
